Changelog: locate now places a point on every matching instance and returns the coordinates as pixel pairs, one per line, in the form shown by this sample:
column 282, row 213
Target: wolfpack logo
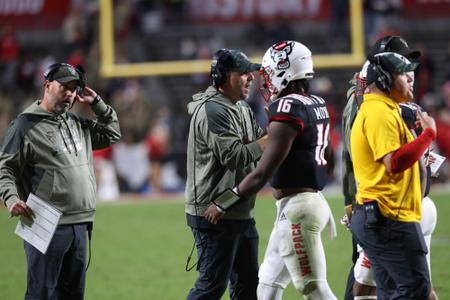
column 72, row 71
column 51, row 136
column 64, row 142
column 280, row 54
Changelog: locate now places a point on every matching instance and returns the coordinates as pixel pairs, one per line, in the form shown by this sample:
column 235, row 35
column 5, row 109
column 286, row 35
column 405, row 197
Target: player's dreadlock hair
column 300, row 86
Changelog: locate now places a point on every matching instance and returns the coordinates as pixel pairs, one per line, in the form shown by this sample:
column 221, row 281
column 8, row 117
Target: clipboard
column 39, row 231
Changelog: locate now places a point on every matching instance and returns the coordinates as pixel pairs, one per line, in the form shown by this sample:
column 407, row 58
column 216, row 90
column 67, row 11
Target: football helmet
column 282, row 63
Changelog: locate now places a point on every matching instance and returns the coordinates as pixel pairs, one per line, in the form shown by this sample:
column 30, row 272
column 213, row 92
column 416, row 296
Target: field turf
column 139, row 250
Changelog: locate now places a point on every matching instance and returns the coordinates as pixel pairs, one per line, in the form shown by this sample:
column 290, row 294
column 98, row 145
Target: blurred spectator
column 130, row 158
column 338, row 25
column 424, row 75
column 74, row 29
column 201, row 80
column 124, row 18
column 105, row 175
column 281, row 30
column 188, row 47
column 179, row 131
column 378, row 16
column 158, row 142
column 132, row 107
column 446, row 64
column 42, row 64
column 443, row 123
column 25, row 75
column 77, row 58
column 9, row 55
column 258, row 32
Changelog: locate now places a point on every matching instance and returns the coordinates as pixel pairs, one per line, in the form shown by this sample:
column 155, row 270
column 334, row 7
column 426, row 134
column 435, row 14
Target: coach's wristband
column 226, row 199
column 219, row 209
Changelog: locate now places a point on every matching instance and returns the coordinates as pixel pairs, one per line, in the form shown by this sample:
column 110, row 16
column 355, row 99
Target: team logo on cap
column 72, row 71
column 280, row 54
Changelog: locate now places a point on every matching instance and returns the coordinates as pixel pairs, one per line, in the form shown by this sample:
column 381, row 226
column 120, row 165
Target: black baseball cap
column 66, row 73
column 390, row 62
column 239, row 62
column 394, row 43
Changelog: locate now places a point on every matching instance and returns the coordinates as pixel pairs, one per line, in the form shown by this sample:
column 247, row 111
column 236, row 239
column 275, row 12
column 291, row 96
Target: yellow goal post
column 108, row 67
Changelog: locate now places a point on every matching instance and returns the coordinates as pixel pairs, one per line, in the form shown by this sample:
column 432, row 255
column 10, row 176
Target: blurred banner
column 426, row 8
column 257, row 10
column 230, row 11
column 33, row 14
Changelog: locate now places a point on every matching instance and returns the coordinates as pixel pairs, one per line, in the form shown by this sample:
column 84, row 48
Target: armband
column 226, row 199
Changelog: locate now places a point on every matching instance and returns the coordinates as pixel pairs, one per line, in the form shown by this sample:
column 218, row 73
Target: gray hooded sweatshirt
column 51, row 156
column 222, row 150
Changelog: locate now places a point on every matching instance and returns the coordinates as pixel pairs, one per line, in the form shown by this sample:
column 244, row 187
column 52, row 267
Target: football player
column 297, row 159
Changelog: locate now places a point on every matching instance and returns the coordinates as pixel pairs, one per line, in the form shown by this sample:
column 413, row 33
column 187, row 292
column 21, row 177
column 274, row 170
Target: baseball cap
column 394, row 43
column 66, row 73
column 390, row 62
column 239, row 62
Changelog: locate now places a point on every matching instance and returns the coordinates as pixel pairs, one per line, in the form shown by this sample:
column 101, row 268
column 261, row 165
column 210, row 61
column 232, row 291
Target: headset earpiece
column 384, row 79
column 82, row 74
column 220, row 67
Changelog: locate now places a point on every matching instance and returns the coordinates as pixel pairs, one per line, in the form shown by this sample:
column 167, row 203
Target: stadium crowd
column 151, row 157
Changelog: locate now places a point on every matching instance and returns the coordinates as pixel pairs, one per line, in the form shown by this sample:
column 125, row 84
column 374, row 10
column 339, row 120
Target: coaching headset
column 52, row 69
column 383, row 79
column 221, row 64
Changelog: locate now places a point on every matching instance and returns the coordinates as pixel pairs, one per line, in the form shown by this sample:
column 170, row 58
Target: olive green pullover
column 50, row 156
column 222, row 150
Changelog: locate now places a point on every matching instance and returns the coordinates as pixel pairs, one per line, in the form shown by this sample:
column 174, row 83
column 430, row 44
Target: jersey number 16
column 322, row 143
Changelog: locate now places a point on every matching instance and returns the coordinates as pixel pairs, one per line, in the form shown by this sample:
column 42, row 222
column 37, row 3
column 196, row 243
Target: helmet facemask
column 267, row 89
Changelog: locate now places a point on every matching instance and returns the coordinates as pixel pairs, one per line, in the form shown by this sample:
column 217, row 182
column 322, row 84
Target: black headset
column 52, row 69
column 383, row 78
column 220, row 66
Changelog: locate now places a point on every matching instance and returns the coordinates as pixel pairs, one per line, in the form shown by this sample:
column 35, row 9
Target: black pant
column 60, row 273
column 396, row 251
column 348, row 293
column 227, row 254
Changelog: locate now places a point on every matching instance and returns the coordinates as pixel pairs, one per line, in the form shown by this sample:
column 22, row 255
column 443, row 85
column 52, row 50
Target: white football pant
column 295, row 251
column 427, row 224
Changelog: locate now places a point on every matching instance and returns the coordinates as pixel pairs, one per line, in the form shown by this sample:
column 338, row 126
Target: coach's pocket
column 421, row 245
column 45, row 187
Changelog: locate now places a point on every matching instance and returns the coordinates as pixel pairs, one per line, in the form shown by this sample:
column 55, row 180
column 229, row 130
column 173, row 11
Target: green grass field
column 139, row 251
